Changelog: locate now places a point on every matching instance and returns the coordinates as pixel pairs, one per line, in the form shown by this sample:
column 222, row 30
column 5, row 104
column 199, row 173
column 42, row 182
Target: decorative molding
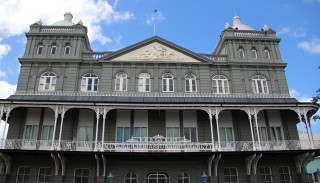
column 159, row 52
column 216, row 163
column 98, row 164
column 104, row 161
column 299, row 160
column 249, row 163
column 306, row 161
column 56, row 163
column 255, row 164
column 63, row 164
column 7, row 161
column 209, row 161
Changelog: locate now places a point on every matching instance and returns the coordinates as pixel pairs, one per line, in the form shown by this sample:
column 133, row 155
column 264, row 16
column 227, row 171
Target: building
column 153, row 112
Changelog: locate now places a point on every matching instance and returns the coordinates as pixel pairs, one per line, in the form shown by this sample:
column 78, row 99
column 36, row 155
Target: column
column 251, row 130
column 61, row 125
column 210, row 120
column 216, row 114
column 56, row 115
column 5, row 124
column 105, row 111
column 97, row 129
column 257, row 127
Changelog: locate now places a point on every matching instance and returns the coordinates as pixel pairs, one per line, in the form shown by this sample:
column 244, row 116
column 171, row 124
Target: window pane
column 35, row 132
column 137, row 132
column 126, row 134
column 194, row 135
column 144, row 132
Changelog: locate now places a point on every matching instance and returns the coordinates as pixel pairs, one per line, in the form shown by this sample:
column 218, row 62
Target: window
column 47, row 132
column 23, row 174
column 265, row 175
column 144, row 82
column 190, row 133
column 266, row 53
column 276, row 133
column 85, row 133
column 31, row 132
column 131, row 177
column 47, row 81
column 173, row 132
column 89, row 82
column 167, row 83
column 254, row 53
column 220, row 84
column 285, row 176
column 157, row 177
column 262, row 134
column 67, row 49
column 259, row 84
column 81, row 175
column 123, row 134
column 191, row 83
column 230, row 175
column 121, row 82
column 44, row 175
column 226, row 134
column 53, row 49
column 141, row 132
column 241, row 52
column 40, row 49
column 183, row 177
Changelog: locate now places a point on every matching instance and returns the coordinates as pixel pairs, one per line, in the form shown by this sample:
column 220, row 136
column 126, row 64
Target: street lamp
column 110, row 177
column 204, row 177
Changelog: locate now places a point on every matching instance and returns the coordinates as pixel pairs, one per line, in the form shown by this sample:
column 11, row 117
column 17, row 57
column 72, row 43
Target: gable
column 155, row 51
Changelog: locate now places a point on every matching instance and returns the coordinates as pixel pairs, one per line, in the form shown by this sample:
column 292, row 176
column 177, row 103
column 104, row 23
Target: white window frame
column 265, row 174
column 132, row 178
column 190, row 83
column 53, row 50
column 160, row 175
column 188, row 130
column 254, row 53
column 67, row 49
column 266, row 53
column 241, row 53
column 280, row 173
column 275, row 136
column 23, row 174
column 144, row 82
column 229, row 175
column 259, row 84
column 81, row 176
column 47, row 81
column 167, row 81
column 45, row 175
column 94, row 86
column 220, row 82
column 121, row 82
column 182, row 178
column 39, row 49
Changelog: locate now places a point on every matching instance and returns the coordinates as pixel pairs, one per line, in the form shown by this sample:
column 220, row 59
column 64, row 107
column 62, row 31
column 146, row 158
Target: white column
column 251, row 130
column 210, row 118
column 62, row 117
column 56, row 115
column 5, row 124
column 97, row 129
column 308, row 128
column 104, row 125
column 217, row 124
column 257, row 127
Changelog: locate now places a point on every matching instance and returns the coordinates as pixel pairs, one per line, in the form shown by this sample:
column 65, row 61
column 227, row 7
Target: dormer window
column 40, row 48
column 67, row 49
column 254, row 53
column 53, row 49
column 241, row 52
column 267, row 53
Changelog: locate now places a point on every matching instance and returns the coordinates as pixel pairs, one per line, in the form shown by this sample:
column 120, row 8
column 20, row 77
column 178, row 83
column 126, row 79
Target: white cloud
column 4, row 49
column 312, row 1
column 312, row 46
column 2, row 74
column 18, row 15
column 6, row 89
column 302, row 98
column 156, row 16
column 293, row 32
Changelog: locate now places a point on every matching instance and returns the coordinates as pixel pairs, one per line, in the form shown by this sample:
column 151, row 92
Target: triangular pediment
column 155, row 49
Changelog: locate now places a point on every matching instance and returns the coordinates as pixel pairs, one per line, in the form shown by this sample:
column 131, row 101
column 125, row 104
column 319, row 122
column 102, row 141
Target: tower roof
column 238, row 25
column 67, row 21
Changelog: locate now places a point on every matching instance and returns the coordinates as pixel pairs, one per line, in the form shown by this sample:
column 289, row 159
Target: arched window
column 144, row 82
column 47, row 81
column 157, row 177
column 39, row 49
column 241, row 52
column 121, row 82
column 254, row 53
column 131, row 177
column 259, row 84
column 191, row 83
column 89, row 82
column 53, row 49
column 220, row 84
column 167, row 83
column 266, row 53
column 67, row 49
column 183, row 177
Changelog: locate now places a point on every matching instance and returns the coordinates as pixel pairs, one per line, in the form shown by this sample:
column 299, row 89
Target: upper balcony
column 156, row 144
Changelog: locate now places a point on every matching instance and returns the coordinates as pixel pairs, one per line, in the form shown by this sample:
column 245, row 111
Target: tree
column 316, row 100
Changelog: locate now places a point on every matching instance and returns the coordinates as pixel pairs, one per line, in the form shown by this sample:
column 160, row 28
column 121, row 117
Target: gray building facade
column 153, row 112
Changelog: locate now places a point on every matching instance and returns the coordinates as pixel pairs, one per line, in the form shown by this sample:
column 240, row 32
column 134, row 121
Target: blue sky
column 195, row 25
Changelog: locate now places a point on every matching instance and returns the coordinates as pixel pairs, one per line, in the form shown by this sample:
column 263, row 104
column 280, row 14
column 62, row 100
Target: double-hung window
column 89, row 82
column 262, row 134
column 67, row 49
column 167, row 83
column 53, row 49
column 190, row 133
column 23, row 174
column 81, row 175
column 39, row 49
column 44, row 175
column 131, row 177
column 241, row 52
column 220, row 84
column 47, row 132
column 123, row 134
column 144, row 82
column 183, row 177
column 191, row 83
column 259, row 84
column 121, row 82
column 47, row 81
column 265, row 175
column 285, row 176
column 230, row 175
column 254, row 53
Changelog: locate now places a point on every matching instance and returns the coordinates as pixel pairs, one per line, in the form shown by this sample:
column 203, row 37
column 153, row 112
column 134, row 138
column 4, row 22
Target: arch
column 190, row 82
column 89, row 82
column 53, row 48
column 167, row 82
column 121, row 81
column 130, row 177
column 266, row 51
column 67, row 48
column 40, row 48
column 220, row 84
column 144, row 82
column 47, row 81
column 241, row 52
column 259, row 84
column 155, row 176
column 183, row 177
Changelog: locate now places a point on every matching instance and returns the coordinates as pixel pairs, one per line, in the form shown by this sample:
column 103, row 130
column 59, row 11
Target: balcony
column 156, row 144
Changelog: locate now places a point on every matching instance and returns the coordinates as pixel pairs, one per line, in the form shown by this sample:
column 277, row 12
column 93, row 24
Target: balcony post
column 62, row 117
column 97, row 129
column 257, row 127
column 56, row 115
column 216, row 115
column 105, row 111
column 308, row 127
column 8, row 110
column 251, row 130
column 209, row 111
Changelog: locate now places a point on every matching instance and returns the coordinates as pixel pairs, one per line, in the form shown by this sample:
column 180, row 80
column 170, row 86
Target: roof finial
column 154, row 21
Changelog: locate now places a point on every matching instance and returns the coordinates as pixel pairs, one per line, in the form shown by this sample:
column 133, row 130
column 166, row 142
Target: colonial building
column 153, row 112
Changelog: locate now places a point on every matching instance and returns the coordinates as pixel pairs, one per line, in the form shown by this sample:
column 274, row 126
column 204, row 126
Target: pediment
column 155, row 50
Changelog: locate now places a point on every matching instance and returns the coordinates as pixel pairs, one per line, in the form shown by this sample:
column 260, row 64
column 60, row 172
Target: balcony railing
column 156, row 144
column 150, row 94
